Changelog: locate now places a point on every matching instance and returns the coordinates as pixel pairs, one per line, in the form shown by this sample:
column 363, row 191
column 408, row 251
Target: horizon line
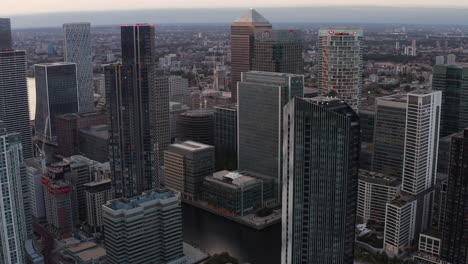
column 240, row 8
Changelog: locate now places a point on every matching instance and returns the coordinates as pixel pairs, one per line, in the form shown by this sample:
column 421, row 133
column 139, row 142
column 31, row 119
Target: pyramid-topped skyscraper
column 242, row 44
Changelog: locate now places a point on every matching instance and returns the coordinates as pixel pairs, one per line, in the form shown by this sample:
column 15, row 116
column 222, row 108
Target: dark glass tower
column 452, row 80
column 455, row 230
column 137, row 110
column 278, row 51
column 5, row 34
column 56, row 93
column 320, row 173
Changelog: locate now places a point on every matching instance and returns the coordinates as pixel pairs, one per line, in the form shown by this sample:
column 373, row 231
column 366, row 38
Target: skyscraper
column 13, row 229
column 144, row 229
column 132, row 95
column 242, row 45
column 340, row 64
column 421, row 136
column 410, row 213
column 262, row 96
column 278, row 51
column 14, row 90
column 5, row 34
column 452, row 80
column 455, row 230
column 14, row 98
column 320, row 176
column 77, row 49
column 56, row 93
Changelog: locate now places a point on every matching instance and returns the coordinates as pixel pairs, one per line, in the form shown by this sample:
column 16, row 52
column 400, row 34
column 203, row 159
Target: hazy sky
column 47, row 6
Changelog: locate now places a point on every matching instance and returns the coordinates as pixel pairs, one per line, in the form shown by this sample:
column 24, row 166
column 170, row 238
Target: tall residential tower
column 320, row 176
column 138, row 106
column 12, row 215
column 340, row 64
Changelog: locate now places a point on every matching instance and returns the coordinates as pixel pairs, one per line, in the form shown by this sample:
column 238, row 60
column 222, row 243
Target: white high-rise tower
column 78, row 50
column 12, row 215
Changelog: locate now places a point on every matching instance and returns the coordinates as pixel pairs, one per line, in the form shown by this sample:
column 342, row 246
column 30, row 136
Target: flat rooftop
column 191, row 145
column 54, row 64
column 378, row 178
column 233, row 179
column 134, row 202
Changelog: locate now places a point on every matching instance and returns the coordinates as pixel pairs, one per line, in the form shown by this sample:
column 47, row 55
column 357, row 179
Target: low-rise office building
column 233, row 192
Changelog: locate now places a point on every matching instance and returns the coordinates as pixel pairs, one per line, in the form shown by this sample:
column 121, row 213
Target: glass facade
column 452, row 80
column 455, row 228
column 56, row 93
column 262, row 96
column 77, row 49
column 225, row 137
column 5, row 34
column 278, row 51
column 320, row 175
column 138, row 107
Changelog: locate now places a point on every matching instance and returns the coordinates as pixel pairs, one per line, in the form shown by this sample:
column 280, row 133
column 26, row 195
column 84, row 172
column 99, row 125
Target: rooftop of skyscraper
column 156, row 195
column 378, row 178
column 252, row 17
column 191, row 145
column 51, row 64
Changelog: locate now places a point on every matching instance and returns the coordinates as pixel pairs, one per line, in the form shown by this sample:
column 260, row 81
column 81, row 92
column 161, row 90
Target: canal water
column 216, row 234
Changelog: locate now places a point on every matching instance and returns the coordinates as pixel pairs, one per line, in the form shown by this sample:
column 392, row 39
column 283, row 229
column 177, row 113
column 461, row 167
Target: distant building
column 13, row 233
column 375, row 190
column 225, row 136
column 56, row 93
column 97, row 193
column 14, row 93
column 321, row 142
column 451, row 59
column 196, row 125
column 145, row 227
column 452, row 80
column 68, row 130
column 176, row 109
column 455, row 228
column 278, row 51
column 340, row 64
column 77, row 49
column 242, row 45
column 262, row 96
column 93, row 143
column 5, row 34
column 185, row 167
column 178, row 88
column 233, row 192
column 440, row 60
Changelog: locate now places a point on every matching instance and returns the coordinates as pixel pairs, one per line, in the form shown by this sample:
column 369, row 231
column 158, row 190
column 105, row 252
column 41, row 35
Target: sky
column 53, row 6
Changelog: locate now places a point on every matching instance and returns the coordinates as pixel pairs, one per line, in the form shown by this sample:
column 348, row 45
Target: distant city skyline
column 47, row 6
column 337, row 14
